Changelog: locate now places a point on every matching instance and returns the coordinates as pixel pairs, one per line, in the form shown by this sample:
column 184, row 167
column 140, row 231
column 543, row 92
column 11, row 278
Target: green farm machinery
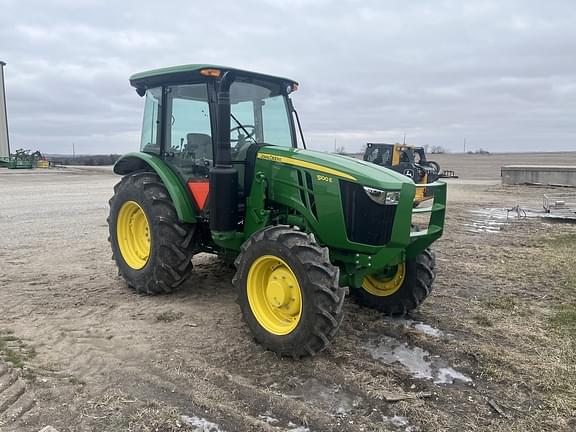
column 223, row 168
column 23, row 159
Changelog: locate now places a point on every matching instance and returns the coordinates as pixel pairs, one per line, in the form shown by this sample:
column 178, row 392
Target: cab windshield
column 259, row 115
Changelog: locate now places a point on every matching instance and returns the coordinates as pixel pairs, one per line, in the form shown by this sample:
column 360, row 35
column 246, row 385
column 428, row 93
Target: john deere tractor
column 220, row 171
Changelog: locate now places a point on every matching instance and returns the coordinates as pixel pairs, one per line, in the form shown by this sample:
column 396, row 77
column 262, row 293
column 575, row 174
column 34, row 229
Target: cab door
column 188, row 139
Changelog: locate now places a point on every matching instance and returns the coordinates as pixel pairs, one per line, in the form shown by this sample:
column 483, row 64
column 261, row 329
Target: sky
column 498, row 75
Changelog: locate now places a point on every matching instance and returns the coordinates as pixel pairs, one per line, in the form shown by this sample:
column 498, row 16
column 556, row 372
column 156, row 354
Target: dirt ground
column 493, row 348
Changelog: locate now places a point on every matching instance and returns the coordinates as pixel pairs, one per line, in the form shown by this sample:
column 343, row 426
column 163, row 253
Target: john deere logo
column 266, row 156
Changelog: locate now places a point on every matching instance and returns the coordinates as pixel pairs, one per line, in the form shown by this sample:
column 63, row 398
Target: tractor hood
column 343, row 167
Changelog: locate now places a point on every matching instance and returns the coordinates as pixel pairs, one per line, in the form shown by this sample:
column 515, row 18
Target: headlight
column 392, row 198
column 382, row 197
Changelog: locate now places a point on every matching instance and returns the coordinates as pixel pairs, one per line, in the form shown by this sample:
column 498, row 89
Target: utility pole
column 464, row 145
column 73, row 152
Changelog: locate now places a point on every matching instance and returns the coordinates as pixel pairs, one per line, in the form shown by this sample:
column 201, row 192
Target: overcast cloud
column 501, row 74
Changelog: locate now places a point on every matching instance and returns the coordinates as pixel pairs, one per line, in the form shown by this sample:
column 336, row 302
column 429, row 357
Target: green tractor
column 220, row 171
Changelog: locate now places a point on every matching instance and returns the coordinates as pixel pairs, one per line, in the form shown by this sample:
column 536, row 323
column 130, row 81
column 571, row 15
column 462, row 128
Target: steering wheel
column 241, row 129
column 435, row 166
column 421, row 170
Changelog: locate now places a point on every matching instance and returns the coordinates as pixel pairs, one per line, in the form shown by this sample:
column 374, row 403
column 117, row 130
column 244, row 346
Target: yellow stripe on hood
column 304, row 164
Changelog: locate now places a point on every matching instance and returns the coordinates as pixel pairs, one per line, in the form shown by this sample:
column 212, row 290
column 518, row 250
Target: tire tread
column 173, row 262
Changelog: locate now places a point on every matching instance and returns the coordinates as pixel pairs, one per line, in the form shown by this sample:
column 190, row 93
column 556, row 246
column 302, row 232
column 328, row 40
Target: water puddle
column 200, row 424
column 447, row 375
column 419, row 327
column 488, row 220
column 416, row 360
column 493, row 220
column 337, row 400
column 427, row 329
column 331, row 397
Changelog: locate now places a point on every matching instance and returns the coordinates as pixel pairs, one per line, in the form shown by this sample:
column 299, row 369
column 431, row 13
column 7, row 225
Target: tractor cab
column 408, row 160
column 181, row 121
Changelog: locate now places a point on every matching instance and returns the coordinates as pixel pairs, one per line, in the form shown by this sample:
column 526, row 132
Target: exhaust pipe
column 223, row 176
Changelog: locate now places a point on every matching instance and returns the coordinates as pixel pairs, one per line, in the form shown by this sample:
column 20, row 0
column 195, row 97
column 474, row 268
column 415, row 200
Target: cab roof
column 191, row 73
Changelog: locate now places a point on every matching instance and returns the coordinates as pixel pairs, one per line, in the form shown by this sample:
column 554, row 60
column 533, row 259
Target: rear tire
column 166, row 263
column 415, row 287
column 281, row 252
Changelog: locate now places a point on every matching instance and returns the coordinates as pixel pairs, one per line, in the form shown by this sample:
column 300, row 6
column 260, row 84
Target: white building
column 4, row 143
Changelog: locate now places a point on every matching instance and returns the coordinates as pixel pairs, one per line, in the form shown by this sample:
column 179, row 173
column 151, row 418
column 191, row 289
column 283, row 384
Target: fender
column 135, row 161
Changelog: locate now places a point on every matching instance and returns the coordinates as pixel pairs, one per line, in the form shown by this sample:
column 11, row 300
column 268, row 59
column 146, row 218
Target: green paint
column 178, row 192
column 355, row 260
column 278, row 183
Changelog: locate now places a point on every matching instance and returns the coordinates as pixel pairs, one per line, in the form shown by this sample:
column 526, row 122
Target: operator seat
column 379, row 160
column 240, row 155
column 200, row 144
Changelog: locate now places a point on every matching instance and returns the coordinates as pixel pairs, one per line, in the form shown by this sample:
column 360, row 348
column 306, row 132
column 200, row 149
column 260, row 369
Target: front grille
column 366, row 221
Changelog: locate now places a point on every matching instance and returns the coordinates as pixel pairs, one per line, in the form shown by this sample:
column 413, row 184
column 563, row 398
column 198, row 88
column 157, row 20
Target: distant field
column 488, row 166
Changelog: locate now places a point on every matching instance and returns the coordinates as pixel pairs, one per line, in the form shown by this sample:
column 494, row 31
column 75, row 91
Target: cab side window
column 149, row 141
column 276, row 122
column 188, row 130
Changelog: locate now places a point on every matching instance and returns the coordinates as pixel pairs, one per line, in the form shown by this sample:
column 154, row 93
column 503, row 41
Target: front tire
column 402, row 291
column 288, row 291
column 152, row 248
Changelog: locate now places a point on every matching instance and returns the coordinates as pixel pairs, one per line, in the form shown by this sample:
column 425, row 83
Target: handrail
column 437, row 212
column 434, row 207
column 433, row 184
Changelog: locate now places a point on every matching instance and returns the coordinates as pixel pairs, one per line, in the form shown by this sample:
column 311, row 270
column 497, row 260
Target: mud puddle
column 336, row 400
column 419, row 327
column 427, row 329
column 417, row 361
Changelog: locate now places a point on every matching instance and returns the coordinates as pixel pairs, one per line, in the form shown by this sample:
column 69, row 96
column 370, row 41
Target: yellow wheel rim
column 385, row 286
column 274, row 295
column 133, row 234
